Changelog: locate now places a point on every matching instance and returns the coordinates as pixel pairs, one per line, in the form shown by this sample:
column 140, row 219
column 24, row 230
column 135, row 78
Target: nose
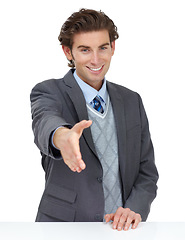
column 95, row 58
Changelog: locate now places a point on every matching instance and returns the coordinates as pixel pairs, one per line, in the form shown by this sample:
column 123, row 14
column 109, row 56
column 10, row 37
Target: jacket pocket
column 60, row 212
column 60, row 193
column 57, row 203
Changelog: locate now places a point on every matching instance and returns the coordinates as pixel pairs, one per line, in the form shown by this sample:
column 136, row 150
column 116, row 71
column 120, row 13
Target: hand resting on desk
column 123, row 218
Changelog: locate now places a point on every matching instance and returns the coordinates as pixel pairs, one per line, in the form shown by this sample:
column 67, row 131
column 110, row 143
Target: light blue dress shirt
column 90, row 92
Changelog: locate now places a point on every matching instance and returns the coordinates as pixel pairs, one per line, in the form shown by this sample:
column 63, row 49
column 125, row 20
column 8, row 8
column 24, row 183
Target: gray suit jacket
column 70, row 196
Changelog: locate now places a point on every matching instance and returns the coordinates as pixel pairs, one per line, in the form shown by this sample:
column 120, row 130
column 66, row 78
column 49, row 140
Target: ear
column 113, row 47
column 67, row 52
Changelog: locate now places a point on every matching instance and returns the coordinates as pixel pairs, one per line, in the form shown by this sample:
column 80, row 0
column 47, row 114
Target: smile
column 96, row 69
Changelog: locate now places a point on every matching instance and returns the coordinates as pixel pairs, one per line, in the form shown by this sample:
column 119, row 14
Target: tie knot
column 97, row 104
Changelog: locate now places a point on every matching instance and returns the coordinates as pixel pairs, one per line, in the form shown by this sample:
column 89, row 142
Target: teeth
column 95, row 69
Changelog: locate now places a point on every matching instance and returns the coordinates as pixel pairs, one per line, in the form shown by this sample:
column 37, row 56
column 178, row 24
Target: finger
column 117, row 216
column 79, row 127
column 78, row 161
column 82, row 165
column 74, row 160
column 129, row 220
column 121, row 222
column 72, row 151
column 115, row 224
column 121, row 217
column 76, row 166
column 137, row 221
column 72, row 169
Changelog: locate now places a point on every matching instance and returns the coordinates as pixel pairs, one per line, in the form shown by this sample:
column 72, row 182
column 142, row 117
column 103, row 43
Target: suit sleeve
column 46, row 115
column 145, row 188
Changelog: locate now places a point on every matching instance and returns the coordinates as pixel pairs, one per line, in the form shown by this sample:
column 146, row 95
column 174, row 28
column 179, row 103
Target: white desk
column 90, row 231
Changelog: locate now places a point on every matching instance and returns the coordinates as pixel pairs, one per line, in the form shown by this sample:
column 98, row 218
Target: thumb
column 79, row 127
column 109, row 217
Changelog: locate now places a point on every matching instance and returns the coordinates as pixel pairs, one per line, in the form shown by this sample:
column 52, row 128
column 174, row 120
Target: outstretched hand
column 67, row 140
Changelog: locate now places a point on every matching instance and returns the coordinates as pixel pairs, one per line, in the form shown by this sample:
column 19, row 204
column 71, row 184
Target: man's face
column 91, row 53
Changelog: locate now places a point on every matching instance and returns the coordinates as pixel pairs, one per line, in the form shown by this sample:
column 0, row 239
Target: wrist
column 56, row 137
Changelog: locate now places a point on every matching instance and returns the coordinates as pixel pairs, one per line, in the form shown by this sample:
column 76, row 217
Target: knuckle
column 138, row 216
column 117, row 217
column 132, row 214
column 122, row 218
column 129, row 219
column 127, row 209
column 119, row 211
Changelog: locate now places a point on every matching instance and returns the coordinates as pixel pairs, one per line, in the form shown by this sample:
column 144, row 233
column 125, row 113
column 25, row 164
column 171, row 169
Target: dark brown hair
column 86, row 20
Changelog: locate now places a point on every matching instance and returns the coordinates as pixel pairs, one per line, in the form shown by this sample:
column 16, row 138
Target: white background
column 149, row 59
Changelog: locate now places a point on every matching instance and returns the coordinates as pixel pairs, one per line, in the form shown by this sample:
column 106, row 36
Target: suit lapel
column 76, row 95
column 119, row 115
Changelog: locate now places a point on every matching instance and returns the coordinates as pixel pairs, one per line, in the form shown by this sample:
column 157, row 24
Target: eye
column 85, row 50
column 103, row 48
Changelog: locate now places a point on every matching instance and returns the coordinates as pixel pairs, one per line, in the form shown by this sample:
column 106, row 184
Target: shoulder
column 125, row 93
column 47, row 84
column 53, row 85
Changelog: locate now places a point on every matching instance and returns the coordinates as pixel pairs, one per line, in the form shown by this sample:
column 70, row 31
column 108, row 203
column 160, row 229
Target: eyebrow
column 83, row 46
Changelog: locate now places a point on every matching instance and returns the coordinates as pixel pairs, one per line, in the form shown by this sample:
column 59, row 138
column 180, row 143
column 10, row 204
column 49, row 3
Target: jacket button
column 100, row 179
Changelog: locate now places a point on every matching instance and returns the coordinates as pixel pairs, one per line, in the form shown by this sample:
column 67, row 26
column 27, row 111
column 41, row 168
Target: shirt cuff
column 53, row 136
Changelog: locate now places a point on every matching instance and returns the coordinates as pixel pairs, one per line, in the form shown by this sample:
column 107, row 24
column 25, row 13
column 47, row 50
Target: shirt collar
column 89, row 92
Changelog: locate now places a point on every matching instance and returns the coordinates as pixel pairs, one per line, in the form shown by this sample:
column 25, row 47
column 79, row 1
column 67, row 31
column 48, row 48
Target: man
column 93, row 135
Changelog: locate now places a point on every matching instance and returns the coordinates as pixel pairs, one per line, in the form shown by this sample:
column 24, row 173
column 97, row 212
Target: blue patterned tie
column 97, row 104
